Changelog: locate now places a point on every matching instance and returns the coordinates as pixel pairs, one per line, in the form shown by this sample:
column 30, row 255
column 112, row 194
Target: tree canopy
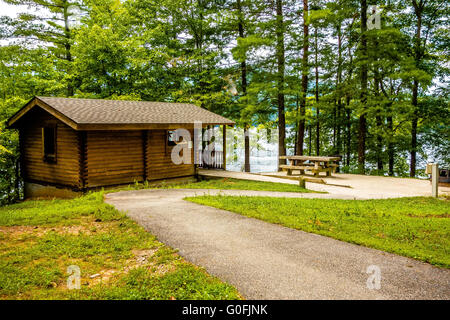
column 324, row 73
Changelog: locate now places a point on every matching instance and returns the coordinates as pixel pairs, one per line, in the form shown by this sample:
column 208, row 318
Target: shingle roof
column 119, row 112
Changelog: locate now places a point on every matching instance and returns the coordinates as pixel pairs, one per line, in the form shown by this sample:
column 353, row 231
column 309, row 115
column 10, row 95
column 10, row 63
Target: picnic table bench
column 315, row 164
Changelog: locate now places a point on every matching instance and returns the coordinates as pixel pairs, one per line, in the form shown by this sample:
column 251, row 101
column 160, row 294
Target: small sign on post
column 433, row 169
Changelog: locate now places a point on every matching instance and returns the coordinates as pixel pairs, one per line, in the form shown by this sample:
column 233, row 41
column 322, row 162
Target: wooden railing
column 215, row 163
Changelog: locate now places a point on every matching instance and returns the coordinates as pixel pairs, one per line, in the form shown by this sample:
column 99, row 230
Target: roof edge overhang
column 35, row 101
column 141, row 126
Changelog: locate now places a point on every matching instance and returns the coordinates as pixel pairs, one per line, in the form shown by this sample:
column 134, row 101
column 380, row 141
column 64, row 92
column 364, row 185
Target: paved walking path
column 268, row 261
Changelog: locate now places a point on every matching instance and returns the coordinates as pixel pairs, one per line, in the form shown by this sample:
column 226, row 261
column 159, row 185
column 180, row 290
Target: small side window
column 49, row 144
column 171, row 138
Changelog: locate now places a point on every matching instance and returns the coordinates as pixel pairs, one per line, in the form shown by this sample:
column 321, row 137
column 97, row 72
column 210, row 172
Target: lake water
column 263, row 149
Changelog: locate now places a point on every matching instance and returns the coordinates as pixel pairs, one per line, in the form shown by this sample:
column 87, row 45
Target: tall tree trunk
column 378, row 117
column 244, row 92
column 334, row 125
column 418, row 10
column 379, row 125
column 362, row 118
column 246, row 147
column 296, row 123
column 338, row 88
column 305, row 69
column 412, row 171
column 310, row 139
column 338, row 128
column 280, row 85
column 349, row 131
column 316, row 53
column 67, row 46
column 390, row 145
column 362, row 143
column 348, row 109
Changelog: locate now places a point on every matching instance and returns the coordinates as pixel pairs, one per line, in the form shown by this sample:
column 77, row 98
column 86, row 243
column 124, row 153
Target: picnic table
column 315, row 164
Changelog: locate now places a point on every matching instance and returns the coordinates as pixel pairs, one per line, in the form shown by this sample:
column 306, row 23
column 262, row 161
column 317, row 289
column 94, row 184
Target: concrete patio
column 348, row 185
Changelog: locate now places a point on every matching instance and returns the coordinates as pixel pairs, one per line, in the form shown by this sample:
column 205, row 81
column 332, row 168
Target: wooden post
column 301, row 182
column 434, row 179
column 316, row 168
column 144, row 153
column 82, row 143
column 301, row 163
column 224, row 147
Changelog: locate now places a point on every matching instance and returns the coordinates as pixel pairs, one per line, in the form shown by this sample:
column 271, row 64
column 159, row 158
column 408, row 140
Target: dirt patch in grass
column 141, row 259
column 102, row 277
column 117, row 258
column 16, row 231
column 445, row 215
column 87, row 225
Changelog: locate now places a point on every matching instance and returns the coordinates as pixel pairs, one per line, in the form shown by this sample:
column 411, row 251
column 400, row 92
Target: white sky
column 13, row 10
column 10, row 10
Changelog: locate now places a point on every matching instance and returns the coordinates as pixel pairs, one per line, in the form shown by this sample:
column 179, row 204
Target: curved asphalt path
column 268, row 261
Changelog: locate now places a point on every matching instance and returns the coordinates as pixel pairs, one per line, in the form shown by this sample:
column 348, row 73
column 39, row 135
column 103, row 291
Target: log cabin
column 69, row 145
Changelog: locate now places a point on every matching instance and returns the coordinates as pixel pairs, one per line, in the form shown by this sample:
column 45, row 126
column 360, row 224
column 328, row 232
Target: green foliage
column 193, row 51
column 414, row 227
column 10, row 182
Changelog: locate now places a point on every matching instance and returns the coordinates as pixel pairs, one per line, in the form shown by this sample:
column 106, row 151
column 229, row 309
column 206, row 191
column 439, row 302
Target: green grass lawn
column 414, row 227
column 40, row 239
column 238, row 184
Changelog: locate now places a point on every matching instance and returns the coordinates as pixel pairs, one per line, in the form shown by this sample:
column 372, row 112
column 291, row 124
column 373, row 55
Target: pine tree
column 305, row 71
column 362, row 130
column 280, row 29
column 54, row 30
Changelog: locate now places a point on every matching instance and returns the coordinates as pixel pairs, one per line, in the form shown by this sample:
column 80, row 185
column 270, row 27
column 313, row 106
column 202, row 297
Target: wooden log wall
column 86, row 159
column 114, row 157
column 117, row 157
column 66, row 169
column 159, row 163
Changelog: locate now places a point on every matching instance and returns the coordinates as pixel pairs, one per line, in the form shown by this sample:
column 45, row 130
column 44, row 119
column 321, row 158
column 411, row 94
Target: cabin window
column 174, row 139
column 171, row 141
column 49, row 144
